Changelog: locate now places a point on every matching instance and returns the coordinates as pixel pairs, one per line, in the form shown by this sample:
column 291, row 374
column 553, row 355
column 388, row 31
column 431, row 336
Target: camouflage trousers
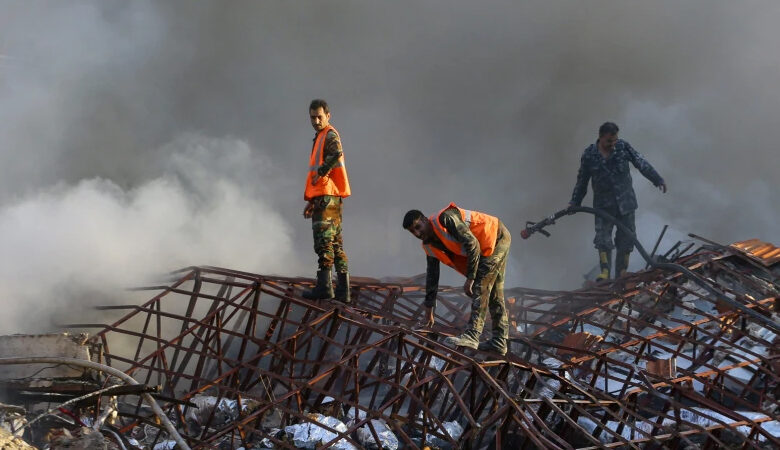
column 326, row 227
column 623, row 241
column 489, row 289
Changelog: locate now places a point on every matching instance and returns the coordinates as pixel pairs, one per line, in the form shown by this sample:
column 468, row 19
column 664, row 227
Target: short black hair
column 608, row 128
column 318, row 103
column 411, row 216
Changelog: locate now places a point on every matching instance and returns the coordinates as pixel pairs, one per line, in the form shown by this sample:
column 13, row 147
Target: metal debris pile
column 239, row 360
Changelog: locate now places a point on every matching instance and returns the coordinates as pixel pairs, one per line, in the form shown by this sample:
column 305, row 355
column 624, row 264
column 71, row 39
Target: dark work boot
column 323, row 289
column 342, row 288
column 621, row 263
column 495, row 345
column 605, row 263
column 466, row 339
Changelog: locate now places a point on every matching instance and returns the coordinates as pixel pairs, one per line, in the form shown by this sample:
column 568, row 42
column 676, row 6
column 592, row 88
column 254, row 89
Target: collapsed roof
column 652, row 359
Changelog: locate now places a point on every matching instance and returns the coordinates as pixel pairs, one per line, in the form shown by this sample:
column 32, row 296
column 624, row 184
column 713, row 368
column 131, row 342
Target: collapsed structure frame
column 646, row 361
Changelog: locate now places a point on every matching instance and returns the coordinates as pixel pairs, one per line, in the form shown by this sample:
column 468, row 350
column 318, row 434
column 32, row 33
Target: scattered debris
column 310, row 435
column 378, row 428
column 8, row 441
column 83, row 438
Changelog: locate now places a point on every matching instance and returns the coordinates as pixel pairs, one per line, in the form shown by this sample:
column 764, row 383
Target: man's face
column 319, row 118
column 607, row 142
column 421, row 229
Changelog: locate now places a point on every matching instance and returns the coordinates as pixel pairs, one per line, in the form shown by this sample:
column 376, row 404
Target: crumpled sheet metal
column 696, row 416
column 311, row 435
column 386, row 437
column 165, row 445
column 453, row 430
column 227, row 410
column 366, row 438
column 763, row 252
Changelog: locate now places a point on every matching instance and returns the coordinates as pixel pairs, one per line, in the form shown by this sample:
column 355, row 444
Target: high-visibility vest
column 483, row 226
column 335, row 182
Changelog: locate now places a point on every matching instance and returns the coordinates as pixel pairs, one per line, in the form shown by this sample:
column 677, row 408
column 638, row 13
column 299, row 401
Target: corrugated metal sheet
column 763, row 252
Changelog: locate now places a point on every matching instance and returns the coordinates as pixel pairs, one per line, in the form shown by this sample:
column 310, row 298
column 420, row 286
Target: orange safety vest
column 335, row 182
column 483, row 226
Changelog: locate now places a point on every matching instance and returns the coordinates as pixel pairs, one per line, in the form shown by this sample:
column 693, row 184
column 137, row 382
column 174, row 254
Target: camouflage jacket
column 611, row 177
column 458, row 229
column 331, row 153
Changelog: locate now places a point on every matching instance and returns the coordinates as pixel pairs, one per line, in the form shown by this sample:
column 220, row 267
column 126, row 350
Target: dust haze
column 141, row 137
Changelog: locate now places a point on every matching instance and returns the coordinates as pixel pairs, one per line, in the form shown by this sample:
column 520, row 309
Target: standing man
column 606, row 164
column 326, row 187
column 476, row 245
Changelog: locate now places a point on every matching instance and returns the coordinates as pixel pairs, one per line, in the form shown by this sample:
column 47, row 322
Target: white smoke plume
column 80, row 245
column 488, row 105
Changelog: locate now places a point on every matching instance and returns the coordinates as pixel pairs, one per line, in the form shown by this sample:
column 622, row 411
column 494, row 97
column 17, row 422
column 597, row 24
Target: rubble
column 83, row 438
column 452, row 431
column 12, row 419
column 9, row 441
column 311, row 435
column 378, row 428
column 240, row 360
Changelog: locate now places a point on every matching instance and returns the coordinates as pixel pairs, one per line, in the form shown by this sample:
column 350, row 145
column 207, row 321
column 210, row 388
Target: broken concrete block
column 57, row 345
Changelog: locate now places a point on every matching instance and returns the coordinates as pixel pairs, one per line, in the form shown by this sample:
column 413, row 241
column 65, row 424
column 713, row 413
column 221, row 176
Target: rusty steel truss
column 650, row 360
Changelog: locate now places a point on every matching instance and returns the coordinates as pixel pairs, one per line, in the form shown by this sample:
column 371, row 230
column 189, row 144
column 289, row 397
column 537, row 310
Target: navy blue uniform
column 613, row 191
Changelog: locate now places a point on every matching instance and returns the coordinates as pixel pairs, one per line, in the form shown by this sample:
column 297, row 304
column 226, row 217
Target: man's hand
column 308, row 210
column 468, row 287
column 429, row 320
column 568, row 209
column 662, row 187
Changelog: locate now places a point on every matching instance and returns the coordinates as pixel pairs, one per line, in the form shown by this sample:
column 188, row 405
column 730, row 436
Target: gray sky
column 138, row 137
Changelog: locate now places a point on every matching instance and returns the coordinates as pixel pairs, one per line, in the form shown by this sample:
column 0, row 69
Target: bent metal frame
column 611, row 365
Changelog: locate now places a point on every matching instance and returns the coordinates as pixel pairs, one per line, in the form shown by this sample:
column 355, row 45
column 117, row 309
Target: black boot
column 342, row 287
column 605, row 263
column 621, row 262
column 469, row 338
column 323, row 289
column 495, row 344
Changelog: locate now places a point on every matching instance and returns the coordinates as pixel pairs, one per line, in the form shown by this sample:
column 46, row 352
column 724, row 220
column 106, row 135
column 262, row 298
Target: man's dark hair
column 608, row 128
column 318, row 103
column 411, row 216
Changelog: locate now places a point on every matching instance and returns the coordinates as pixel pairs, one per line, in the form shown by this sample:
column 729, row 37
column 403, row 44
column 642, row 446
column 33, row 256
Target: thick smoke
column 82, row 243
column 488, row 105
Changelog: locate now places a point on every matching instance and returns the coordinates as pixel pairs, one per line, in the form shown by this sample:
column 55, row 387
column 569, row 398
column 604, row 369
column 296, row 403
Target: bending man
column 476, row 245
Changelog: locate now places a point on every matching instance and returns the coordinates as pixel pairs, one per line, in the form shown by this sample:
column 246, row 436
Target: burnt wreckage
column 232, row 359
